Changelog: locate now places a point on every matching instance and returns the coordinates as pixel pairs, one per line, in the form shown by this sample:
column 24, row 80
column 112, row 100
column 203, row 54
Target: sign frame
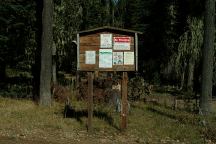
column 92, row 40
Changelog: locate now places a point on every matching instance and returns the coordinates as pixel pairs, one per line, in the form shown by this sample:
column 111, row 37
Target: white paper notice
column 90, row 57
column 117, row 58
column 128, row 58
column 106, row 40
column 105, row 58
column 121, row 43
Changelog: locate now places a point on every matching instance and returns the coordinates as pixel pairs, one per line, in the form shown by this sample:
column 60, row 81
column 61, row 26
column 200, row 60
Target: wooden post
column 124, row 102
column 136, row 51
column 77, row 85
column 90, row 101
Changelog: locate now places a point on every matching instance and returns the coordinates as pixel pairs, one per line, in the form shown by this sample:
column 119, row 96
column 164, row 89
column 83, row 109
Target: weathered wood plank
column 90, row 100
column 124, row 102
column 91, row 42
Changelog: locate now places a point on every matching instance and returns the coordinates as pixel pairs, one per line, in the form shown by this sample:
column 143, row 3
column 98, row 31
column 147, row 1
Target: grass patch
column 23, row 121
column 159, row 124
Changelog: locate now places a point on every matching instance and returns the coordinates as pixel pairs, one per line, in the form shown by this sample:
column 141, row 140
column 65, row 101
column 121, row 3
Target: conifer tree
column 46, row 53
column 208, row 56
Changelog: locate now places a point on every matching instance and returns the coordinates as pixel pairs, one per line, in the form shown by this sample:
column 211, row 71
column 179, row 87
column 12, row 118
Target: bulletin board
column 107, row 50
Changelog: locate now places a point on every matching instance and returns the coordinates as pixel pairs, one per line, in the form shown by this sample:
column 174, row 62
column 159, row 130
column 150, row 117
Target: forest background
column 169, row 49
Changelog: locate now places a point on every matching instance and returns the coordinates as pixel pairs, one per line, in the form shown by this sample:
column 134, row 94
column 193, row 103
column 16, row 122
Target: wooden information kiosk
column 107, row 49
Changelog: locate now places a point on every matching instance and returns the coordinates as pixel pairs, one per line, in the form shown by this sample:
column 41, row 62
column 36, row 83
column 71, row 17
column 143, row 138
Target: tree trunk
column 46, row 53
column 208, row 55
column 113, row 16
column 190, row 79
column 54, row 77
column 37, row 65
column 183, row 76
column 182, row 80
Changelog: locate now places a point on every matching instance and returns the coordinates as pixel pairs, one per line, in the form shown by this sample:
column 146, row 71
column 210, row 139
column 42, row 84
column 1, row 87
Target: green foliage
column 161, row 21
column 17, row 35
column 71, row 16
column 94, row 14
column 18, row 91
column 136, row 88
column 190, row 44
column 171, row 24
column 18, row 84
column 67, row 21
column 137, row 14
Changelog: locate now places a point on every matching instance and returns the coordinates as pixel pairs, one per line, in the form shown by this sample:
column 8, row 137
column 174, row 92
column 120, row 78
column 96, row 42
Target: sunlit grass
column 23, row 119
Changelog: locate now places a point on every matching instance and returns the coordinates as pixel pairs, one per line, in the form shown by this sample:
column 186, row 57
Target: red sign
column 122, row 39
column 121, row 43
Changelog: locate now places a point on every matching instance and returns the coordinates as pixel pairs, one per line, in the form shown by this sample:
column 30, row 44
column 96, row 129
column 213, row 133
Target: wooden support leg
column 90, row 101
column 77, row 85
column 124, row 102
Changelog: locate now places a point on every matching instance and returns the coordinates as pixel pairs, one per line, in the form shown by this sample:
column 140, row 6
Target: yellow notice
column 128, row 58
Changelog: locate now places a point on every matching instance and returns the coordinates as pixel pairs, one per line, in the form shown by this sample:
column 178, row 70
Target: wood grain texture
column 124, row 102
column 91, row 42
column 90, row 101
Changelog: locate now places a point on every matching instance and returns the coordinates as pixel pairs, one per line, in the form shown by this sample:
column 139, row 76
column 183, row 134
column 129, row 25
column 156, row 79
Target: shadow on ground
column 70, row 112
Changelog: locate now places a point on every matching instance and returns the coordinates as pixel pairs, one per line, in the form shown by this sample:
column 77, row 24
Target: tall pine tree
column 46, row 53
column 208, row 56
